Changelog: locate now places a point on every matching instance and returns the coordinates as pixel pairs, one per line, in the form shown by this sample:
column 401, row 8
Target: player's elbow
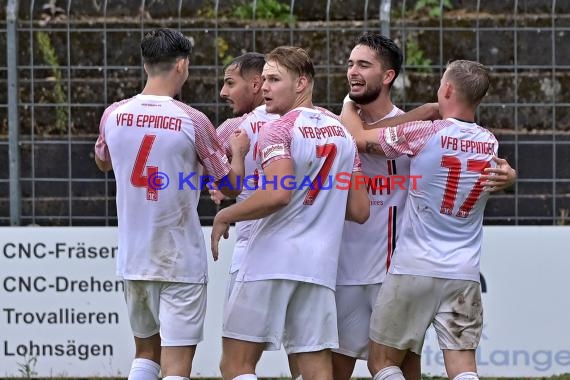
column 359, row 215
column 282, row 198
column 358, row 206
column 104, row 166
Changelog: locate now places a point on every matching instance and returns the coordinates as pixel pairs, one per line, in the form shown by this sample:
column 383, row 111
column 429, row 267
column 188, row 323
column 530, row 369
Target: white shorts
column 407, row 305
column 231, row 284
column 300, row 315
column 354, row 304
column 174, row 309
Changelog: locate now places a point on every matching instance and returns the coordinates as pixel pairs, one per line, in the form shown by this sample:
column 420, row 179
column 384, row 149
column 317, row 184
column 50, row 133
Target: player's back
column 159, row 231
column 442, row 225
column 301, row 241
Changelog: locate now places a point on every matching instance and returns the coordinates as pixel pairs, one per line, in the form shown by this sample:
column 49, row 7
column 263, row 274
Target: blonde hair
column 294, row 59
column 470, row 78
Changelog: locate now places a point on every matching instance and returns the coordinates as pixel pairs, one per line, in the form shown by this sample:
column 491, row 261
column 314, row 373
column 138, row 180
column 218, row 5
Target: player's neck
column 303, row 100
column 372, row 113
column 160, row 88
column 459, row 113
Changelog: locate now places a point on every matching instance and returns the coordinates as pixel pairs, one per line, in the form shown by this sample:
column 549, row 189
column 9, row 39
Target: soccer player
column 434, row 274
column 284, row 291
column 367, row 249
column 147, row 140
column 242, row 90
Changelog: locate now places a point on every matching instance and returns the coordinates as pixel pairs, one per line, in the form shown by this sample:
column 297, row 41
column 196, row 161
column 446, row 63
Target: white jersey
column 301, row 241
column 251, row 123
column 442, row 224
column 366, row 249
column 148, row 138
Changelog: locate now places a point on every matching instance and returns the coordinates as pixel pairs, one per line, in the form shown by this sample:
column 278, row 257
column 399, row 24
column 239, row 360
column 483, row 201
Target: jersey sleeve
column 101, row 148
column 357, row 165
column 225, row 130
column 274, row 142
column 408, row 138
column 208, row 147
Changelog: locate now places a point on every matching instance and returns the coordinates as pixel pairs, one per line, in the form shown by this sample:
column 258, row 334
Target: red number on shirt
column 452, row 183
column 328, row 151
column 138, row 177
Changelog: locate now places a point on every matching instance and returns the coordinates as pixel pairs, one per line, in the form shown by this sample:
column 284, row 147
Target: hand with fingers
column 499, row 177
column 219, row 228
column 216, row 195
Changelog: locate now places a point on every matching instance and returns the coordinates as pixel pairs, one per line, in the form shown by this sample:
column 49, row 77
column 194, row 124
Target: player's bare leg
column 293, row 366
column 412, row 366
column 239, row 357
column 147, row 358
column 460, row 363
column 384, row 362
column 315, row 365
column 343, row 366
column 177, row 361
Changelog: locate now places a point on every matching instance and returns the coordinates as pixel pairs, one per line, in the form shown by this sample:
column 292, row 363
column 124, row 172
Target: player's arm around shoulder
column 366, row 140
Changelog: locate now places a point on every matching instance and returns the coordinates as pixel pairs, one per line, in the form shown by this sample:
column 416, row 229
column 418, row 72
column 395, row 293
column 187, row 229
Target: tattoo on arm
column 374, row 148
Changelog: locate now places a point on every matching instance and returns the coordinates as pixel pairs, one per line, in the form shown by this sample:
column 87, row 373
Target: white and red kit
column 301, row 241
column 442, row 225
column 366, row 249
column 252, row 123
column 148, row 138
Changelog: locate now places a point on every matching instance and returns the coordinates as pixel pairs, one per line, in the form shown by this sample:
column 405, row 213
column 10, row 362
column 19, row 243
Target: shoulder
column 197, row 117
column 327, row 113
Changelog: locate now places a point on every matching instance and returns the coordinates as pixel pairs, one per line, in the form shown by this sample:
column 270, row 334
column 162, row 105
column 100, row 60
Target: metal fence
column 66, row 60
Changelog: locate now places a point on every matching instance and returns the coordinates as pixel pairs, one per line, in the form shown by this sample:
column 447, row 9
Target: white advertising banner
column 62, row 312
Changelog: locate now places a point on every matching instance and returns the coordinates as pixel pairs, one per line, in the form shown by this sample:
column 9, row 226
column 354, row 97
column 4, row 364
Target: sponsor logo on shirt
column 273, row 151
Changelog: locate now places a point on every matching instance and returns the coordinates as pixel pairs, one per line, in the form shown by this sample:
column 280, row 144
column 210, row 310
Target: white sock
column 390, row 373
column 467, row 376
column 300, row 377
column 247, row 376
column 144, row 369
column 175, row 378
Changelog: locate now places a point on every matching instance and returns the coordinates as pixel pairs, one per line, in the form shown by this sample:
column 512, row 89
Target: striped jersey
column 442, row 222
column 156, row 145
column 301, row 241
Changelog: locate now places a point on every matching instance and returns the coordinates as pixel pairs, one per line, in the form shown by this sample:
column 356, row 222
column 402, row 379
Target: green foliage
column 415, row 56
column 27, row 368
column 432, row 7
column 49, row 55
column 269, row 10
column 223, row 48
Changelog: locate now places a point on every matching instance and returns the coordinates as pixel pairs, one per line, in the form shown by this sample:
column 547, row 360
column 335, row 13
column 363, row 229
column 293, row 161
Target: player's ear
column 256, row 83
column 302, row 83
column 448, row 89
column 389, row 76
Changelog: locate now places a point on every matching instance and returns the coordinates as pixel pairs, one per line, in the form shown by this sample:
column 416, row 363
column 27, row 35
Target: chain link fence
column 64, row 61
